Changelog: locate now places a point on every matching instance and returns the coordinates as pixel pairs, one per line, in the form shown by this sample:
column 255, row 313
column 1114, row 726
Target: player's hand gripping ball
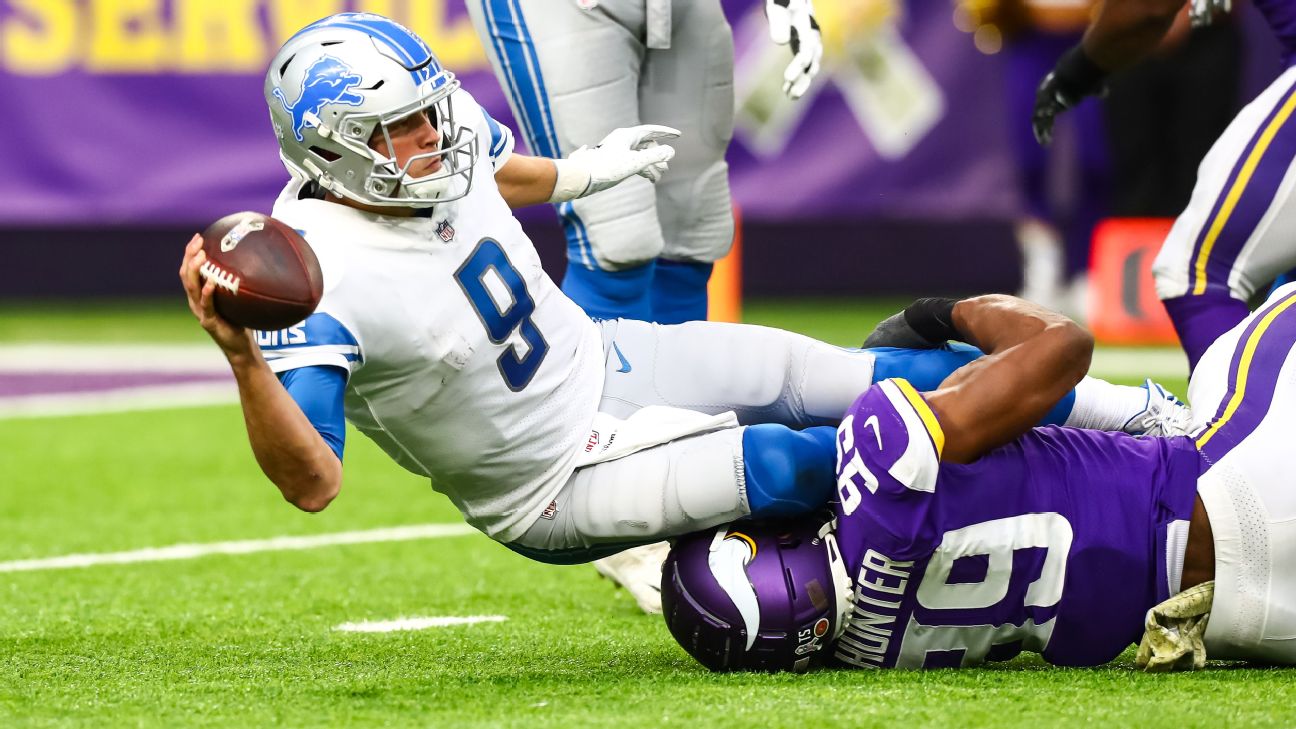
column 266, row 275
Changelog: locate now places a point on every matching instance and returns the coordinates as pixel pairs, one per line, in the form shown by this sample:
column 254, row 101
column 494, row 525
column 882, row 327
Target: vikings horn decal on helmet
column 763, row 596
column 728, row 558
column 345, row 80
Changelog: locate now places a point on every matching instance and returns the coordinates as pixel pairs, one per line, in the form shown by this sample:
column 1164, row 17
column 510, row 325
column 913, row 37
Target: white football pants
column 1243, row 394
column 679, row 486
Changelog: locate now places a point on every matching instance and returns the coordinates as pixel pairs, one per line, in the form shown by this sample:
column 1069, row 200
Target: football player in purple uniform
column 960, row 534
column 1233, row 239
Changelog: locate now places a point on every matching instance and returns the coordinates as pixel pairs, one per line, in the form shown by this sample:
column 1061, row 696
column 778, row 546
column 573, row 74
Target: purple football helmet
column 756, row 596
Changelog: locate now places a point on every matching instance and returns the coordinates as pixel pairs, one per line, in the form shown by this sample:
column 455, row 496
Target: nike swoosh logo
column 877, row 430
column 625, row 363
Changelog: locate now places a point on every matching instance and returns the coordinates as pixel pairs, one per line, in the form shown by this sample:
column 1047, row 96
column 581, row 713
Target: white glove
column 623, row 153
column 1202, row 12
column 793, row 21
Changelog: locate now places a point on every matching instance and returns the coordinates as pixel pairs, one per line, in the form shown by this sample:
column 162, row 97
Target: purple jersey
column 1055, row 543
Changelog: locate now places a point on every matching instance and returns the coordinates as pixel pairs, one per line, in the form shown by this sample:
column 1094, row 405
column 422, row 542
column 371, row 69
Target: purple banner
column 133, row 112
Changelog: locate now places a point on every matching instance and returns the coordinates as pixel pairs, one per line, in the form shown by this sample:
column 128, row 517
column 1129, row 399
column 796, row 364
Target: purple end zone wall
column 895, row 175
column 850, row 258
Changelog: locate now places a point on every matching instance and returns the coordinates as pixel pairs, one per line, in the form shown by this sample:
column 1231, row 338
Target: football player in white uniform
column 440, row 337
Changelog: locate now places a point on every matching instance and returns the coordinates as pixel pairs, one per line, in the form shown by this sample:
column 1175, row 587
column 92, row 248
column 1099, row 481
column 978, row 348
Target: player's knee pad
column 825, row 380
column 788, row 472
column 675, row 488
column 1170, row 271
column 616, row 229
column 697, row 216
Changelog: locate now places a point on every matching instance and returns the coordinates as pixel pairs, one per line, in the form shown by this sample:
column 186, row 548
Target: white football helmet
column 340, row 80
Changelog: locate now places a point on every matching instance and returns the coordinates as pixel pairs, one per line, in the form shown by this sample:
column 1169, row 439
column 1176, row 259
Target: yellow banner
column 42, row 37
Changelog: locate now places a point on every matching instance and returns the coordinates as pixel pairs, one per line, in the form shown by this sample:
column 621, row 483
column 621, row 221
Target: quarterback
column 960, row 535
column 440, row 337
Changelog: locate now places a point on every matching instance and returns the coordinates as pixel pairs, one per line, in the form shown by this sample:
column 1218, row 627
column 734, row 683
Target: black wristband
column 933, row 319
column 1077, row 74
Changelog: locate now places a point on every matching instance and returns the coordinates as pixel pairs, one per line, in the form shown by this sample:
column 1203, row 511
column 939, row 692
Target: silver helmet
column 343, row 79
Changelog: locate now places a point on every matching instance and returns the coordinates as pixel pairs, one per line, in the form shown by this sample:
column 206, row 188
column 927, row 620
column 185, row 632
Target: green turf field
column 249, row 640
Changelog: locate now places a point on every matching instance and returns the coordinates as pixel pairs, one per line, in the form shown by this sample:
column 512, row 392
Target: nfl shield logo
column 445, row 231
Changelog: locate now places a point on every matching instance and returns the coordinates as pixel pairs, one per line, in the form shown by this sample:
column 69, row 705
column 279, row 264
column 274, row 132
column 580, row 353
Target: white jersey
column 467, row 364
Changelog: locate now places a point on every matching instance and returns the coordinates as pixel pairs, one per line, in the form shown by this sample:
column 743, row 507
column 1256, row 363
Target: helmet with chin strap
column 343, row 80
column 757, row 596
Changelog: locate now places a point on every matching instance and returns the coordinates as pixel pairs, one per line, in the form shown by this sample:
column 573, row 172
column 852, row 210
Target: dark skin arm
column 1199, row 557
column 1126, row 31
column 1033, row 357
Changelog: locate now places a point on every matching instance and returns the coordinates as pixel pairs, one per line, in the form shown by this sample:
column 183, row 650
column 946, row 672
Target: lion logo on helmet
column 327, row 81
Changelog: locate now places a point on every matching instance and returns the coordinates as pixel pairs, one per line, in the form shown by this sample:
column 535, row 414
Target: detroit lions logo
column 327, row 81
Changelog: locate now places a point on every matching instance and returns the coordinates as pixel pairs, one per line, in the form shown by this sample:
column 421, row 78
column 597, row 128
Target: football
column 266, row 275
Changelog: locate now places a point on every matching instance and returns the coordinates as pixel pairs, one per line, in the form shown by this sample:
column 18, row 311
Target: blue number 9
column 516, row 369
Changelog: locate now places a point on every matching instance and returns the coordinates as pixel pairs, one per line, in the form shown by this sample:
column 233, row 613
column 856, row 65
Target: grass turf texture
column 248, row 640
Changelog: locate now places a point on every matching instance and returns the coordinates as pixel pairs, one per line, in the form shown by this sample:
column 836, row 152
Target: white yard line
column 118, row 400
column 1139, row 362
column 58, row 357
column 389, row 626
column 249, row 546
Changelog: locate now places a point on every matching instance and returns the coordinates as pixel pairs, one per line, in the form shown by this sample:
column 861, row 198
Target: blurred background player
column 573, row 70
column 1065, row 187
column 1232, row 240
column 960, row 534
column 1163, row 114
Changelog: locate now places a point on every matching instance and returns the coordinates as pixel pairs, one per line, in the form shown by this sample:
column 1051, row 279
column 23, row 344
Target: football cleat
column 639, row 571
column 1165, row 414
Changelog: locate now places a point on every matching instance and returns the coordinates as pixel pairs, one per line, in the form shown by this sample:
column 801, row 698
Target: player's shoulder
column 496, row 140
column 889, row 440
column 322, row 339
column 888, row 460
column 465, row 102
column 331, row 231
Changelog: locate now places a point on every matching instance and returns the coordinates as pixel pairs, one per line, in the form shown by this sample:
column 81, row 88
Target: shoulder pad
column 889, row 440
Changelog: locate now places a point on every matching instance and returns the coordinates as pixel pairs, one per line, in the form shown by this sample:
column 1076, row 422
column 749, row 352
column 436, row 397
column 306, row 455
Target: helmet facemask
column 457, row 148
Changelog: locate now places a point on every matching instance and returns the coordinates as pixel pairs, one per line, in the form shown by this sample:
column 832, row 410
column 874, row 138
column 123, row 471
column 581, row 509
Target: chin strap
column 1175, row 632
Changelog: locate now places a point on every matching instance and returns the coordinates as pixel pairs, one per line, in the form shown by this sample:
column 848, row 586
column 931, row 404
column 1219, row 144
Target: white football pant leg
column 666, row 490
column 1258, row 198
column 1244, row 396
column 764, row 375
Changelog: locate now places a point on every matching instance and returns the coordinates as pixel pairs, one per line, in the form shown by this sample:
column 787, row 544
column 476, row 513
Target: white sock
column 1100, row 405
